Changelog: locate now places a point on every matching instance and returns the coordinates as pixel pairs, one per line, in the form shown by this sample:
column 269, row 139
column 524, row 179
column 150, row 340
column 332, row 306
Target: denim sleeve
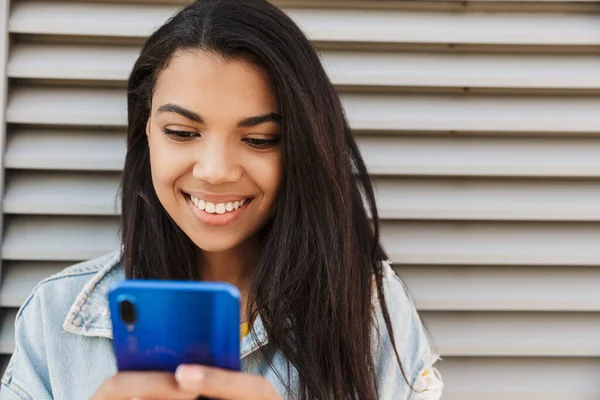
column 416, row 379
column 26, row 376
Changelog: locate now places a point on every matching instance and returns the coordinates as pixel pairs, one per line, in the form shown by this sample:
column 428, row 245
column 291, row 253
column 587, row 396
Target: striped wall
column 479, row 122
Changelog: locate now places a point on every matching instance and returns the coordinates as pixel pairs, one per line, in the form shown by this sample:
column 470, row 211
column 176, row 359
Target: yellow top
column 243, row 329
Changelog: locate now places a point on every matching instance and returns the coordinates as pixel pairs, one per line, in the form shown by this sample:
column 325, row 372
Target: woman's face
column 213, row 135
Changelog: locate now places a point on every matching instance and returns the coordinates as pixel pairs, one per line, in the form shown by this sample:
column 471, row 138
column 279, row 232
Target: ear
column 148, row 132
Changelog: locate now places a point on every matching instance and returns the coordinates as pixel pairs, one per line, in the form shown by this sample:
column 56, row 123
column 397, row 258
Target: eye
column 180, row 136
column 262, row 143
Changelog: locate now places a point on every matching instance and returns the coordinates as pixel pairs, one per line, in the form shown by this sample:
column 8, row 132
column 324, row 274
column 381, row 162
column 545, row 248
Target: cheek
column 166, row 168
column 267, row 175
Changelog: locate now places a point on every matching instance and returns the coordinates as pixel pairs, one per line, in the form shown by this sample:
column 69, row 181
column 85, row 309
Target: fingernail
column 187, row 373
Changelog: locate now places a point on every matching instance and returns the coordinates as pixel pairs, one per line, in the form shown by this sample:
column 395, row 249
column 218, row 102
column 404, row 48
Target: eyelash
column 262, row 144
column 180, row 136
column 184, row 136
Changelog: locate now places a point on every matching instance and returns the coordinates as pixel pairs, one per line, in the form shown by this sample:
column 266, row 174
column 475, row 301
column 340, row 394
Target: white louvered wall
column 479, row 120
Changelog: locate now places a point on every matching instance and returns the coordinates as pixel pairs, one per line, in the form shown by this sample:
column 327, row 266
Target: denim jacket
column 64, row 350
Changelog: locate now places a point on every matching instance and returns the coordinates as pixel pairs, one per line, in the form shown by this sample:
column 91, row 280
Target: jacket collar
column 90, row 316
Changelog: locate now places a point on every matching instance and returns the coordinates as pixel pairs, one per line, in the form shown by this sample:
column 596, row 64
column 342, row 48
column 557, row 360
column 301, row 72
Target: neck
column 234, row 266
column 231, row 266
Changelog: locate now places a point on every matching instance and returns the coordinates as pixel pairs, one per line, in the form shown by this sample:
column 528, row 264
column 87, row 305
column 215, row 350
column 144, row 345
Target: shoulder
column 410, row 340
column 399, row 303
column 71, row 297
column 58, row 292
column 395, row 291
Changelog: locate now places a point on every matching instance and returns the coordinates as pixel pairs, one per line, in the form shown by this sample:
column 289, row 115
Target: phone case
column 175, row 323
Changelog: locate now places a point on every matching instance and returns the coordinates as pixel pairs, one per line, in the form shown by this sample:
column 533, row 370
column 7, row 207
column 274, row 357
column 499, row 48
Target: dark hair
column 313, row 279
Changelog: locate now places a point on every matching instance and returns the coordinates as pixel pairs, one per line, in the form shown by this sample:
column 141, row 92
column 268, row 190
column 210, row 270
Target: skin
column 220, row 156
column 189, row 382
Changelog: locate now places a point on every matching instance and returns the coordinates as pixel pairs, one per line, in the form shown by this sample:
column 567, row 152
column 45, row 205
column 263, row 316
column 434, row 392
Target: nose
column 217, row 164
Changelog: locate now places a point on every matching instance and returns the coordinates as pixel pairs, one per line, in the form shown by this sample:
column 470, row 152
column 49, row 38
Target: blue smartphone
column 158, row 325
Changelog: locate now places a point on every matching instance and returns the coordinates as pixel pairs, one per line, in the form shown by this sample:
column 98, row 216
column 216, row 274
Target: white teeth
column 210, row 208
column 217, row 208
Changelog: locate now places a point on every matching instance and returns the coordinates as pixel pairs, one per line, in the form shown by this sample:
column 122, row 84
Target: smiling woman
column 240, row 167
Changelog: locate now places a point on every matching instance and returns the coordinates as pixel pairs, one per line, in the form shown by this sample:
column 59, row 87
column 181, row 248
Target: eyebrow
column 244, row 123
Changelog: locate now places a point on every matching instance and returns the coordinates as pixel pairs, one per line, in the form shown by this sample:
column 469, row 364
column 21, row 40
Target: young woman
column 241, row 168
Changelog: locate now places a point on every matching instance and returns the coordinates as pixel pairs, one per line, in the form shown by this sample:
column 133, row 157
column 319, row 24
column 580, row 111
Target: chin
column 216, row 244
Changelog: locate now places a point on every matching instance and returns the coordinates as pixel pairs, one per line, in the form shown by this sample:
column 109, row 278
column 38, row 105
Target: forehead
column 205, row 82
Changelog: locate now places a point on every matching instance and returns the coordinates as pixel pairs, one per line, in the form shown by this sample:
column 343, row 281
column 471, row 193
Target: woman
column 241, row 168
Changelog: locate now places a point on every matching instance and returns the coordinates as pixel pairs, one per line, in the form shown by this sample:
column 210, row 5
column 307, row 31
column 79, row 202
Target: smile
column 217, row 208
column 218, row 214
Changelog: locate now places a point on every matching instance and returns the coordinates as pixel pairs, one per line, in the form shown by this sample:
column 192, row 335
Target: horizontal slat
column 28, row 148
column 58, row 238
column 514, row 334
column 77, row 106
column 63, row 149
column 61, row 193
column 48, row 61
column 19, row 279
column 96, row 194
column 433, row 288
column 515, row 378
column 520, row 378
column 472, row 113
column 386, row 4
column 324, row 25
column 463, row 70
column 498, row 243
column 457, row 28
column 476, row 288
column 106, row 107
column 439, row 5
column 476, row 334
column 95, row 19
column 373, row 3
column 412, row 243
column 488, row 199
column 502, row 378
column 110, row 63
column 481, row 156
column 7, row 330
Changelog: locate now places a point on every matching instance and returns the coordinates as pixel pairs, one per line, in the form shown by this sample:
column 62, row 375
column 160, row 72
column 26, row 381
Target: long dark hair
column 313, row 278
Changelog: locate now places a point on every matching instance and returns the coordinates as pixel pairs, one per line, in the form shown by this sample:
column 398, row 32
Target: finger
column 223, row 384
column 146, row 398
column 148, row 385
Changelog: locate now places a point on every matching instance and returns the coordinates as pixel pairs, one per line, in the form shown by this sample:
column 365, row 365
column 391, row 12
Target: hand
column 223, row 384
column 189, row 382
column 139, row 385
